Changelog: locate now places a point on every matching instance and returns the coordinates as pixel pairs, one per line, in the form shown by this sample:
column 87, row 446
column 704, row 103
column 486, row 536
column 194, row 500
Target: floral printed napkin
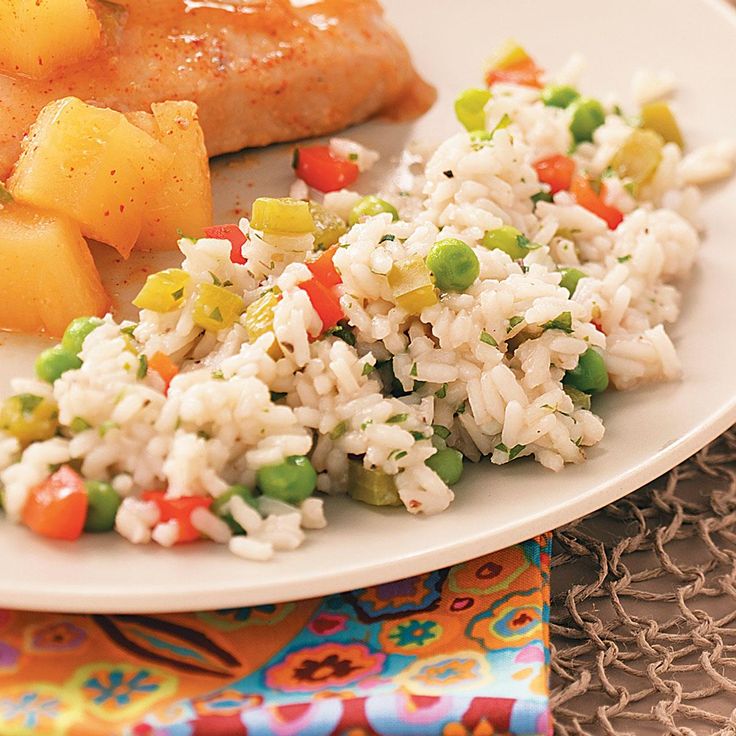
column 454, row 652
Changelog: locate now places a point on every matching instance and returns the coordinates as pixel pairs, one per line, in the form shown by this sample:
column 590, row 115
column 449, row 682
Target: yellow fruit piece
column 412, row 285
column 39, row 36
column 658, row 116
column 92, row 165
column 259, row 320
column 216, row 308
column 182, row 202
column 47, row 274
column 163, row 291
column 284, row 215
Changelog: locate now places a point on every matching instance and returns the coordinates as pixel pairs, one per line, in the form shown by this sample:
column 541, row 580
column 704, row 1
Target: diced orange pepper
column 324, row 301
column 525, row 72
column 321, row 169
column 164, row 366
column 324, row 269
column 179, row 510
column 586, row 196
column 556, row 171
column 57, row 507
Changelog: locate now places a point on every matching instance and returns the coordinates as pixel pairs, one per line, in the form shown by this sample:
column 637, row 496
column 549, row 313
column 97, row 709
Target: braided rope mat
column 644, row 607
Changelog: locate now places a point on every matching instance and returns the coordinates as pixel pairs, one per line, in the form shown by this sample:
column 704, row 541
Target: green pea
column 448, row 464
column 559, row 95
column 29, row 418
column 453, row 263
column 570, row 278
column 292, row 481
column 55, row 361
column 369, row 206
column 590, row 375
column 77, row 330
column 509, row 240
column 469, row 106
column 587, row 115
column 102, row 505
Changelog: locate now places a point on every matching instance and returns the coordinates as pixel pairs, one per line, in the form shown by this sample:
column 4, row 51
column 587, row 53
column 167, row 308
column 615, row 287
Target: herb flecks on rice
column 356, row 344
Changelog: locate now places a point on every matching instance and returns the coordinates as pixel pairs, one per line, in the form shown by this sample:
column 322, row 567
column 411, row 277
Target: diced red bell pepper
column 232, row 233
column 321, row 169
column 556, row 171
column 325, row 302
column 594, row 202
column 180, row 510
column 164, row 366
column 57, row 507
column 324, row 269
column 524, row 72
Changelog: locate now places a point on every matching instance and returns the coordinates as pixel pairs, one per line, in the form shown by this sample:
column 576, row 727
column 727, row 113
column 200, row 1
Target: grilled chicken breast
column 261, row 71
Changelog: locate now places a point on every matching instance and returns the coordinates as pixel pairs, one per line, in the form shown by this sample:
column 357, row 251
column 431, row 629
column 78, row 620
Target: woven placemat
column 644, row 604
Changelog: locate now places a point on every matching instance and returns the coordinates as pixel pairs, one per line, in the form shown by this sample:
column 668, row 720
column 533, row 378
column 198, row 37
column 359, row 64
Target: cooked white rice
column 221, row 421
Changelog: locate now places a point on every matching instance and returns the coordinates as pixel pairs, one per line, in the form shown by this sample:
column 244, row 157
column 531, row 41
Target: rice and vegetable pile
column 370, row 344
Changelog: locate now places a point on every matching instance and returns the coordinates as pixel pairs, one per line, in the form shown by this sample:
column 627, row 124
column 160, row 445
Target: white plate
column 648, row 431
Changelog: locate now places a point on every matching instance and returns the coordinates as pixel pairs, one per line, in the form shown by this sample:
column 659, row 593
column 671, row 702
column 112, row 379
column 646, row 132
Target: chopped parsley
column 515, row 450
column 442, row 392
column 413, row 371
column 366, row 423
column 129, row 329
column 79, row 424
column 215, row 280
column 514, row 321
column 216, row 314
column 339, row 430
column 417, row 435
column 623, row 259
column 142, row 367
column 542, row 197
column 460, row 409
column 441, row 431
column 397, row 419
column 488, row 339
column 398, row 454
column 344, row 333
column 387, row 236
column 105, row 427
column 562, row 322
column 352, row 157
column 218, row 375
column 368, row 369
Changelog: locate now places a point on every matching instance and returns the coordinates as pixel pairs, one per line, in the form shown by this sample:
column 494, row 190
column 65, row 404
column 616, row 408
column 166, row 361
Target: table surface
column 644, row 605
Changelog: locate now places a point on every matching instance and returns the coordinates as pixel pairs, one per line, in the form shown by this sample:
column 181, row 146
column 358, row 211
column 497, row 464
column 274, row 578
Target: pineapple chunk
column 39, row 36
column 47, row 273
column 92, row 165
column 182, row 203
